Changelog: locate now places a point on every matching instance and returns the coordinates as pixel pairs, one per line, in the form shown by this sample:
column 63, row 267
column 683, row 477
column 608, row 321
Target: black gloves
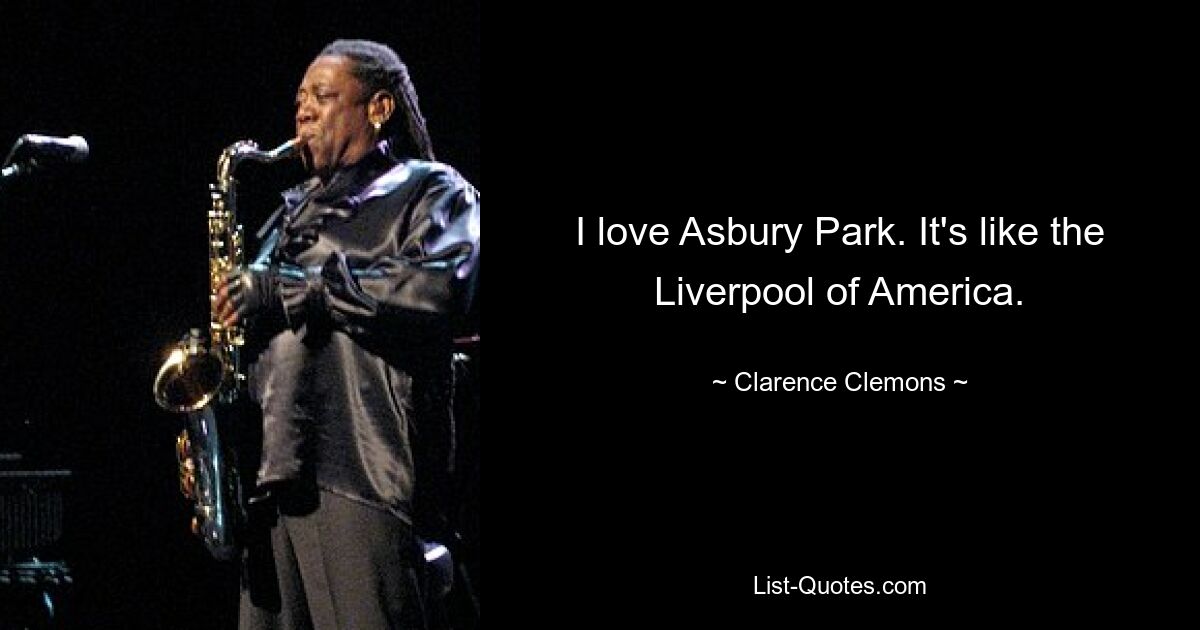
column 254, row 293
column 326, row 296
column 318, row 296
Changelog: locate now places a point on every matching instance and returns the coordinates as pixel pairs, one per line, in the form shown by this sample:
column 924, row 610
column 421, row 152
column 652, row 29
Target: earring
column 378, row 125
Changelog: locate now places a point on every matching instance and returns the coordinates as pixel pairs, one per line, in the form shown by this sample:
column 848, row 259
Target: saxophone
column 198, row 375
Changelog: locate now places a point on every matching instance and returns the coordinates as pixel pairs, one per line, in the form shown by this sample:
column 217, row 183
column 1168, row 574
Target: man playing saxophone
column 349, row 310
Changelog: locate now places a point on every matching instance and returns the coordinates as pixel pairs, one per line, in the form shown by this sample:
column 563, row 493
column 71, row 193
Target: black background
column 1042, row 487
column 627, row 488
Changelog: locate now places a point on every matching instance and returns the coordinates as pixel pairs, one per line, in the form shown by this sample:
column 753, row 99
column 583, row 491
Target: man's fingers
column 231, row 298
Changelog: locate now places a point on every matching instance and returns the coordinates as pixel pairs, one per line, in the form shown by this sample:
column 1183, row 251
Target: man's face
column 331, row 111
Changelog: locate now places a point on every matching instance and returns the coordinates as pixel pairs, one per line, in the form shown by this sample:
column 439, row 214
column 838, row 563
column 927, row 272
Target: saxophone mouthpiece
column 298, row 144
column 288, row 149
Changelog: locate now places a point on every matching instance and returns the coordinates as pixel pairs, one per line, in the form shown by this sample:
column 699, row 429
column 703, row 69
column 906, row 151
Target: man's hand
column 245, row 294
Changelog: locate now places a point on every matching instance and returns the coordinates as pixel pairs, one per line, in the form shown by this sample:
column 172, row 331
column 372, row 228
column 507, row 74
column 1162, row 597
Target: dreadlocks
column 378, row 67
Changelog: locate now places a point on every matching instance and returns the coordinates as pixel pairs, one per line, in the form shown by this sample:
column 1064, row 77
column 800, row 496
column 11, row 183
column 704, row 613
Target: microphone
column 36, row 151
column 53, row 149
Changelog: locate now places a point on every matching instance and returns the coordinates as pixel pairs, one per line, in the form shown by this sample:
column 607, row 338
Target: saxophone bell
column 190, row 377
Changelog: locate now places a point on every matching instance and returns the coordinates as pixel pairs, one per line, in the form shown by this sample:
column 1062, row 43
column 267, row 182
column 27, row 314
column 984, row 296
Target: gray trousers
column 329, row 563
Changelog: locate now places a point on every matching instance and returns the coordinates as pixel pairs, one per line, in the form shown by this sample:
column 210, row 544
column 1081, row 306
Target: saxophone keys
column 183, row 446
column 187, row 478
